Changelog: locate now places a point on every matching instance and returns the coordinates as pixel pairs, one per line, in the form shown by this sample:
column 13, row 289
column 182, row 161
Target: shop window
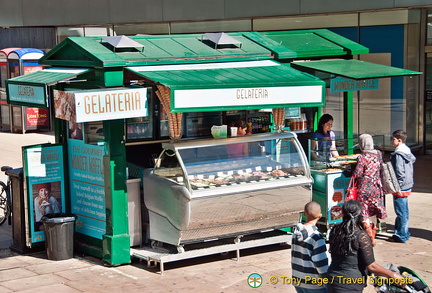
column 428, row 108
column 14, row 69
column 429, row 28
column 233, row 25
column 3, row 75
column 137, row 29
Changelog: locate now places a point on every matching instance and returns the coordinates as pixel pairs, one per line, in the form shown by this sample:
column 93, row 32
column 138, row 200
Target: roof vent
column 220, row 40
column 123, row 43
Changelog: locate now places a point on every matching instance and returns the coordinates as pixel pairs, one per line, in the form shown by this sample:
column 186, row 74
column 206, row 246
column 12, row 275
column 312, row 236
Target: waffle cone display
column 279, row 118
column 174, row 119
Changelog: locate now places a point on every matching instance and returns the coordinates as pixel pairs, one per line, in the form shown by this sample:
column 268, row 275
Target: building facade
column 398, row 33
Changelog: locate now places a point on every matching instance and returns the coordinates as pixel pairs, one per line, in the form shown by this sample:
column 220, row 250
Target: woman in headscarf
column 367, row 176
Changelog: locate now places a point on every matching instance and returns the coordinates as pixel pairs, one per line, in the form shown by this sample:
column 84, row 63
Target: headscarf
column 366, row 144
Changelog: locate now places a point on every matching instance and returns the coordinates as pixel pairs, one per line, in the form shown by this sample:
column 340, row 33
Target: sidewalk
column 216, row 273
column 11, row 143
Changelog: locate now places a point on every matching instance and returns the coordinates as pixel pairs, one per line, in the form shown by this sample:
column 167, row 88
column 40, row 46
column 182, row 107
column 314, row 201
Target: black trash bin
column 59, row 235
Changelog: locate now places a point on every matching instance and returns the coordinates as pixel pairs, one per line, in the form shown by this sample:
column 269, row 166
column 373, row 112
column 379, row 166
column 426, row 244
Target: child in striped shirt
column 309, row 259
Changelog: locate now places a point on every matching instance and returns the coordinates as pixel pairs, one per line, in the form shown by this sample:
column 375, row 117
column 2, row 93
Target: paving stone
column 34, row 282
column 15, row 273
column 60, row 288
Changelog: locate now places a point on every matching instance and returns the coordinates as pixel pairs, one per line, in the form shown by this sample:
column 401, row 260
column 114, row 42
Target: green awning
column 48, row 76
column 354, row 69
column 235, row 85
column 31, row 89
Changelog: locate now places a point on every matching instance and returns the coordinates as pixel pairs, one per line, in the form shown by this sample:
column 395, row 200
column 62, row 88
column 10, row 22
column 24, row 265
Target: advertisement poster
column 87, row 187
column 336, row 198
column 43, row 166
column 37, row 117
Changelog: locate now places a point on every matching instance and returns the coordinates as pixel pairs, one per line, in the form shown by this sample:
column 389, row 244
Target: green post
column 116, row 241
column 349, row 119
column 318, row 115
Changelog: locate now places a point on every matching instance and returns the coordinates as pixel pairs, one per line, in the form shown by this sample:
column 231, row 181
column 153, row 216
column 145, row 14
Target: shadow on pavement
column 416, row 232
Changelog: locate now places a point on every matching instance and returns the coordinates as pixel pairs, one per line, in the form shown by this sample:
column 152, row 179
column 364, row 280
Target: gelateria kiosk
column 96, row 86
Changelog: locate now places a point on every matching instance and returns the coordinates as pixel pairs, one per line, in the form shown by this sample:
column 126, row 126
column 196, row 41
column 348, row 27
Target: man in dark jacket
column 402, row 160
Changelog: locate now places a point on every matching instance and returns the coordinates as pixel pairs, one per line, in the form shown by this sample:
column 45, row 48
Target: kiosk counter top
column 214, row 188
column 332, row 174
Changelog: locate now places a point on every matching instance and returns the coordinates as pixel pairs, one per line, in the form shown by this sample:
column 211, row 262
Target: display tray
column 236, row 181
column 331, row 170
column 344, row 158
column 234, row 177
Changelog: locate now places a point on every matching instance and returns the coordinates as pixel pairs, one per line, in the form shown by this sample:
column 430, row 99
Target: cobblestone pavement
column 216, row 273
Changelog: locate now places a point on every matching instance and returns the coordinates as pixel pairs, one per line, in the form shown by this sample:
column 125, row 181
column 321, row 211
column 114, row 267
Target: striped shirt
column 309, row 259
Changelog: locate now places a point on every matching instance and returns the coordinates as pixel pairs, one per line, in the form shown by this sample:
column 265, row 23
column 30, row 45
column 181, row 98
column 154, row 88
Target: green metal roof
column 279, row 50
column 48, row 76
column 158, row 49
column 208, row 76
column 354, row 69
column 94, row 52
column 231, row 75
column 315, row 43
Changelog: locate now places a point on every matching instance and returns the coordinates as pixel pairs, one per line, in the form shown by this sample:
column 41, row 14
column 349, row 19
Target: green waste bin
column 59, row 235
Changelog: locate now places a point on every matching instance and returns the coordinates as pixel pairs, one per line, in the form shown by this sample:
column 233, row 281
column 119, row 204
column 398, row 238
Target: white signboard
column 88, row 106
column 247, row 96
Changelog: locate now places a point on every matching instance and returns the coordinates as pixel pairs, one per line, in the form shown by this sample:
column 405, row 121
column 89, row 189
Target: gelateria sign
column 110, row 104
column 238, row 97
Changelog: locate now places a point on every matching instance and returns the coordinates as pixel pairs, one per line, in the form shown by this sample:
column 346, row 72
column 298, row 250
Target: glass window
column 4, row 110
column 429, row 28
column 17, row 116
column 233, row 162
column 14, row 69
column 321, row 155
column 428, row 110
column 3, row 75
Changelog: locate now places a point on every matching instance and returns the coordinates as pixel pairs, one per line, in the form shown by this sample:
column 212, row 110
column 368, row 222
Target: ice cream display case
column 332, row 171
column 202, row 190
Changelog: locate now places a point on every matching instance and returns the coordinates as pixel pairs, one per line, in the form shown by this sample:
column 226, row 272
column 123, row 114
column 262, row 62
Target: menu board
column 87, row 188
column 43, row 167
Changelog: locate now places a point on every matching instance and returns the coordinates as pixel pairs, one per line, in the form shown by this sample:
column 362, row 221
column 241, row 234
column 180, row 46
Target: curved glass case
column 337, row 155
column 218, row 188
column 212, row 166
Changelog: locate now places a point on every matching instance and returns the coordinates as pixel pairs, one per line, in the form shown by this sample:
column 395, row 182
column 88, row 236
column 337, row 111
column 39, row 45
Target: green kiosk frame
column 86, row 64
